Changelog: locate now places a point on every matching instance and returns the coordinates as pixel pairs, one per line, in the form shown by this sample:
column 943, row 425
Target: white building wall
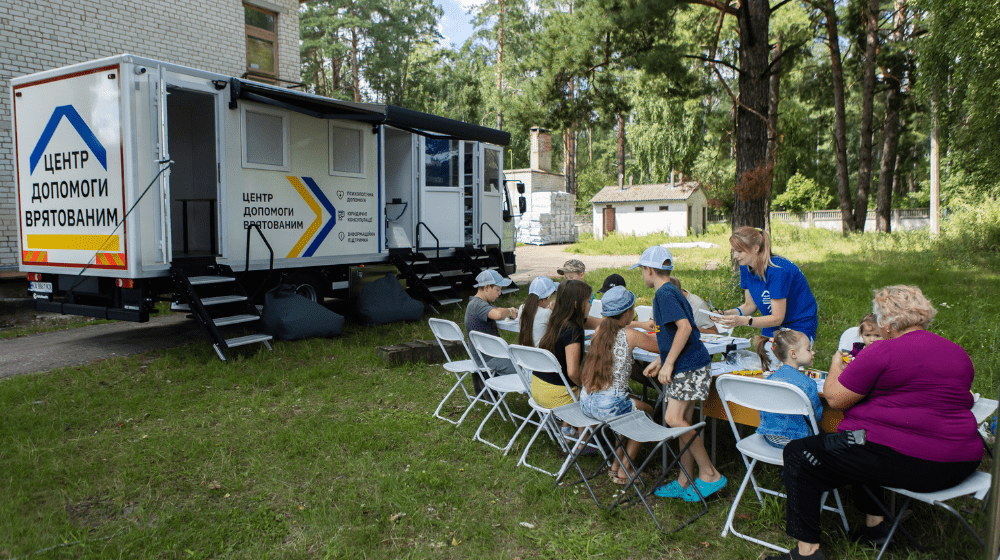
column 651, row 219
column 37, row 35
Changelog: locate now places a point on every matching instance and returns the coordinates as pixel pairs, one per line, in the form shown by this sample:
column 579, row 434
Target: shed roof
column 644, row 193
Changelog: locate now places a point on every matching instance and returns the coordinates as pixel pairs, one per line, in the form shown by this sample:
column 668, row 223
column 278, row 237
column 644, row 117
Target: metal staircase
column 424, row 280
column 477, row 260
column 216, row 300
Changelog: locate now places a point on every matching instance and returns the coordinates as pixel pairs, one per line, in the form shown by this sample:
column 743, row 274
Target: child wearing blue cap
column 684, row 368
column 481, row 316
column 607, row 369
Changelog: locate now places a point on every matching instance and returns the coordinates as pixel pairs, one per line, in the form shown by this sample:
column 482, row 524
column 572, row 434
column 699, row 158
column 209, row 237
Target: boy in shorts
column 684, row 368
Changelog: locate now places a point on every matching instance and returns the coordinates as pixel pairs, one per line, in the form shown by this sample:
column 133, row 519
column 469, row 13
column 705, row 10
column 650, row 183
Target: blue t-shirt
column 787, row 425
column 670, row 305
column 783, row 280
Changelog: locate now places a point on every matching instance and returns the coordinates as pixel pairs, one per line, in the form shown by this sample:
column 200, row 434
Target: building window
column 664, row 208
column 347, row 154
column 639, row 208
column 262, row 43
column 265, row 138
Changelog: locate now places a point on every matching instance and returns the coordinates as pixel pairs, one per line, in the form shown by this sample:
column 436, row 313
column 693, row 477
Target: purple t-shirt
column 918, row 401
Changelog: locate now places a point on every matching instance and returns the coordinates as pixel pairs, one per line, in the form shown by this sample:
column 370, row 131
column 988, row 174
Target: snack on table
column 748, row 372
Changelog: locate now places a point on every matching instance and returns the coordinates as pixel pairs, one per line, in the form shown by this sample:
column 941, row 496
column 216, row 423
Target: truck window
column 441, row 162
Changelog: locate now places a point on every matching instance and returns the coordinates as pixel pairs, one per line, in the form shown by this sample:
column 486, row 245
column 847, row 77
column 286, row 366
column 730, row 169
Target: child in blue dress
column 794, row 349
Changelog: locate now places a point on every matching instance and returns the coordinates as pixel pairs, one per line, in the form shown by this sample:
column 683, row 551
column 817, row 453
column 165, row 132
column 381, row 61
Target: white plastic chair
column 489, row 346
column 766, row 396
column 848, row 339
column 977, row 485
column 445, row 330
column 595, row 309
column 643, row 313
column 528, row 359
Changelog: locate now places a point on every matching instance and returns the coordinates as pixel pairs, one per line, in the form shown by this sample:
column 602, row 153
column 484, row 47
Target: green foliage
column 589, row 183
column 802, row 195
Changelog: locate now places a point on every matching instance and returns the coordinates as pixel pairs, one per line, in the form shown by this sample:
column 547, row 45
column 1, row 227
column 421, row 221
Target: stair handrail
column 246, row 269
column 495, row 234
column 437, row 242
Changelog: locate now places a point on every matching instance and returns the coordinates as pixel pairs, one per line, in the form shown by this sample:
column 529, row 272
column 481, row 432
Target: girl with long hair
column 607, row 369
column 535, row 311
column 564, row 337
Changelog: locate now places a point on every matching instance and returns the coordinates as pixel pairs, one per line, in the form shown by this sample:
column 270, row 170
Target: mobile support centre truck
column 140, row 181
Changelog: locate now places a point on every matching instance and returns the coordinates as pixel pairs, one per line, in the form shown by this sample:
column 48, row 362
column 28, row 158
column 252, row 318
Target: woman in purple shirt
column 908, row 422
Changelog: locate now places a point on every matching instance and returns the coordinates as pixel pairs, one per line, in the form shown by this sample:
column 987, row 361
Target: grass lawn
column 318, row 450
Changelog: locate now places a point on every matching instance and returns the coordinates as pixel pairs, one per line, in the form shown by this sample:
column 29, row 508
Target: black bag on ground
column 385, row 301
column 290, row 316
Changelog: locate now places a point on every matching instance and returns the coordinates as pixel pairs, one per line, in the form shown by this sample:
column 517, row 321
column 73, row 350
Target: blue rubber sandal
column 672, row 490
column 706, row 489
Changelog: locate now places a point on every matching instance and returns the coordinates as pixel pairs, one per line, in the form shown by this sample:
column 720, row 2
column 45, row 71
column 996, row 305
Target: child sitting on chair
column 794, row 350
column 868, row 330
column 607, row 368
column 535, row 311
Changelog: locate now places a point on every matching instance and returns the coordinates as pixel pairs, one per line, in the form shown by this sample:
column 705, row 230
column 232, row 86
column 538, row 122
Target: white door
column 191, row 137
column 442, row 217
column 489, row 228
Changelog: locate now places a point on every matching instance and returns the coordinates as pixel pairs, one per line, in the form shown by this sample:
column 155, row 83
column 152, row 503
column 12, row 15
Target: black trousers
column 818, row 464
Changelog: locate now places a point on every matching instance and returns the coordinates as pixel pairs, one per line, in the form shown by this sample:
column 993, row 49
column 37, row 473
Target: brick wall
column 37, row 35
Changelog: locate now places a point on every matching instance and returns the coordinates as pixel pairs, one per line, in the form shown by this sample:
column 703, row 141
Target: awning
column 320, row 107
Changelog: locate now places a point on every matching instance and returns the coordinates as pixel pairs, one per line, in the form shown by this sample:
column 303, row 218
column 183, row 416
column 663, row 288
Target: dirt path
column 538, row 260
column 73, row 347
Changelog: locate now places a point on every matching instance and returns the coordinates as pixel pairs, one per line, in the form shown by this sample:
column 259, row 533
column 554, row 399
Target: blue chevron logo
column 82, row 129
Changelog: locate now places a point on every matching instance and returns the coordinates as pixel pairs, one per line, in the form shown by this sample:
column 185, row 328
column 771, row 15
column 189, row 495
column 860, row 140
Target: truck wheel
column 306, row 285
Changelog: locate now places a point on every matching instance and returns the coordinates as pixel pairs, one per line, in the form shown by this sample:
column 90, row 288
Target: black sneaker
column 793, row 554
column 874, row 536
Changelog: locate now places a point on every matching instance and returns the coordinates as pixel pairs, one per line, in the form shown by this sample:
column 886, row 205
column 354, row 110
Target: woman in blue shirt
column 773, row 285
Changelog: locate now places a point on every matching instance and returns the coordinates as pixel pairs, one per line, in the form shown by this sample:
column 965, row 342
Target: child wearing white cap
column 684, row 368
column 481, row 316
column 535, row 311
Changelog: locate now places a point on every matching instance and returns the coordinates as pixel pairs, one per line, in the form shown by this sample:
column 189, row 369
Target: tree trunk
column 621, row 147
column 772, row 106
column 865, row 156
column 753, row 173
column 890, row 130
column 500, row 68
column 840, row 118
column 355, row 74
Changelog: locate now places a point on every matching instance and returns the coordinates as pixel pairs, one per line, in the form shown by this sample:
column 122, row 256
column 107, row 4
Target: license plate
column 41, row 287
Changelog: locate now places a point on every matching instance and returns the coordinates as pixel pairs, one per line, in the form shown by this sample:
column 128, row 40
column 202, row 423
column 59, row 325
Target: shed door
column 609, row 220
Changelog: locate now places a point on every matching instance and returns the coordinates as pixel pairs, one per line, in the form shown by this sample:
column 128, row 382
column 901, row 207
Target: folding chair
column 449, row 331
column 639, row 427
column 529, row 359
column 982, row 410
column 489, row 346
column 588, row 427
column 977, row 485
column 765, row 396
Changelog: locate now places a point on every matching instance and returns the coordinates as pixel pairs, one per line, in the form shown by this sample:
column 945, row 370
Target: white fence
column 901, row 219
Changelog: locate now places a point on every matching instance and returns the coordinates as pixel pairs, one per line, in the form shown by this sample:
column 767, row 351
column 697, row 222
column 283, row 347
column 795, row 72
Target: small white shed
column 645, row 209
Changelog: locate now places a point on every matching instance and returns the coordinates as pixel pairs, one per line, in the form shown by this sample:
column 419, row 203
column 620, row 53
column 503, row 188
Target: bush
column 972, row 230
column 802, row 195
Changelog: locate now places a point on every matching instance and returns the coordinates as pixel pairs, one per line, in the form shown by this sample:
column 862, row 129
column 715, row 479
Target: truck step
column 199, row 280
column 448, row 301
column 249, row 339
column 418, row 263
column 437, row 288
column 509, row 290
column 430, row 275
column 235, row 319
column 222, row 299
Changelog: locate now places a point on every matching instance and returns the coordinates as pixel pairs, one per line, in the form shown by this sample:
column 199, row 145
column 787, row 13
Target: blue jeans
column 606, row 405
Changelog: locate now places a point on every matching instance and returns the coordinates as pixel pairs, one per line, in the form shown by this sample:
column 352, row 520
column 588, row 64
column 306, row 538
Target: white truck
column 140, row 181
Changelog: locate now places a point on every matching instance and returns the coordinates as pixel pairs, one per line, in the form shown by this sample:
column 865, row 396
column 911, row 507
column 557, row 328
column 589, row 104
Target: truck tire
column 306, row 285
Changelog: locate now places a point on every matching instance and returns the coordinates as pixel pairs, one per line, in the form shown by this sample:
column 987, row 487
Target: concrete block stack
column 549, row 219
